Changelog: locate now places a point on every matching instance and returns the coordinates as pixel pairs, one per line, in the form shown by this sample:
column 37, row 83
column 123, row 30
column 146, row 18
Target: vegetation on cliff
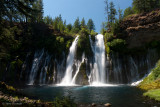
column 152, row 83
column 134, row 27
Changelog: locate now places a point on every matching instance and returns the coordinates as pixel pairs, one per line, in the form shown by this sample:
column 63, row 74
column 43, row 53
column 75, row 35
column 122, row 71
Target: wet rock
column 107, row 105
column 93, row 104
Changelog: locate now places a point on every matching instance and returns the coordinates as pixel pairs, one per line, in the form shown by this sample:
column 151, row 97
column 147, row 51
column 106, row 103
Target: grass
column 153, row 94
column 152, row 84
column 129, row 16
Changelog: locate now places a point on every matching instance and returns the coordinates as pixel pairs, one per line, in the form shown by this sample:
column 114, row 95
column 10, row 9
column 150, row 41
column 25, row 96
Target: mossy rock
column 82, row 77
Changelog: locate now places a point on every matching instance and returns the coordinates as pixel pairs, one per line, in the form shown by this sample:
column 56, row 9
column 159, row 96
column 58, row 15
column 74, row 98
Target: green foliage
column 93, row 33
column 69, row 27
column 48, row 20
column 19, row 10
column 145, row 5
column 128, row 11
column 153, row 80
column 111, row 15
column 64, row 102
column 84, row 44
column 83, row 24
column 76, row 26
column 38, row 5
column 153, row 94
column 107, row 36
column 112, row 12
column 117, row 45
column 68, row 44
column 153, row 44
column 103, row 28
column 116, row 28
column 90, row 25
column 6, row 87
column 120, row 14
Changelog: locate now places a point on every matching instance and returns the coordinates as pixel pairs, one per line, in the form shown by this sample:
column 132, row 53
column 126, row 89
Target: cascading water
column 78, row 68
column 98, row 75
column 59, row 68
column 98, row 70
column 37, row 58
column 131, row 69
column 44, row 69
column 67, row 80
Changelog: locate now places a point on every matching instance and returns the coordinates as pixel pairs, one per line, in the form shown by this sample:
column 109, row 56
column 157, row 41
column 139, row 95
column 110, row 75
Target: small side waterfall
column 42, row 79
column 98, row 75
column 130, row 69
column 67, row 80
column 36, row 63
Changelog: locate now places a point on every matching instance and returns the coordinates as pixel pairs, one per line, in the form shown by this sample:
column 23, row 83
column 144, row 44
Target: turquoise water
column 118, row 96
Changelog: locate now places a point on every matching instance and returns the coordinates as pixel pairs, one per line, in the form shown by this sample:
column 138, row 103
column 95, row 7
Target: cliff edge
column 139, row 29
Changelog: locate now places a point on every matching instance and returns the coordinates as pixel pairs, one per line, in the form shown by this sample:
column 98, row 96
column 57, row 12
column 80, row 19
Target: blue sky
column 71, row 9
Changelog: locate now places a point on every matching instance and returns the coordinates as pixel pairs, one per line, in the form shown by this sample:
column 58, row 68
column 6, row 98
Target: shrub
column 84, row 43
column 128, row 11
column 117, row 45
column 153, row 80
column 64, row 102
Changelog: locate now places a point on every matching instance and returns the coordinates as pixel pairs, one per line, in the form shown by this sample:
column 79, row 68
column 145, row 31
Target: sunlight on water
column 98, row 84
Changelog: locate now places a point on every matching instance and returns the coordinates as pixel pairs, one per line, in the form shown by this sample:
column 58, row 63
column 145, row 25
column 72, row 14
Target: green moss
column 6, row 87
column 153, row 94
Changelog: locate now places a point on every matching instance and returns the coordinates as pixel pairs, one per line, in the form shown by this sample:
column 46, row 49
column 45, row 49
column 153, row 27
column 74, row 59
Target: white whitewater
column 79, row 65
column 98, row 74
column 139, row 81
column 67, row 80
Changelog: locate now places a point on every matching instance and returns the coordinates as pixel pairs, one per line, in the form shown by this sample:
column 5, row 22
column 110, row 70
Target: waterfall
column 44, row 69
column 60, row 68
column 36, row 63
column 98, row 70
column 70, row 61
column 78, row 66
column 131, row 69
column 98, row 74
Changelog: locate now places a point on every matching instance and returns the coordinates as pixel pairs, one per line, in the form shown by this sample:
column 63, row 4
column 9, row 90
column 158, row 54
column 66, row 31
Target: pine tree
column 83, row 24
column 38, row 5
column 69, row 27
column 107, row 9
column 76, row 26
column 90, row 25
column 120, row 14
column 48, row 20
column 112, row 13
column 16, row 9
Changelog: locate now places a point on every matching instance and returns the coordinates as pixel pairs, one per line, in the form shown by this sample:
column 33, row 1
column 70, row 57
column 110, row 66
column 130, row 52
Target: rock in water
column 93, row 104
column 107, row 105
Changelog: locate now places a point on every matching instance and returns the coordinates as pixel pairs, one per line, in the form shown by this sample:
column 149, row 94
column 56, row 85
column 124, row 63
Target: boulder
column 107, row 105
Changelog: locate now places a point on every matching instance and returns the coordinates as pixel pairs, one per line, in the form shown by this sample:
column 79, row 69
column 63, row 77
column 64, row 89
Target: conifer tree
column 76, row 26
column 83, row 24
column 112, row 12
column 90, row 25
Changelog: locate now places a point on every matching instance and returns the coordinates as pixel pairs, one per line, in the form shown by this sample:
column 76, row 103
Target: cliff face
column 141, row 29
